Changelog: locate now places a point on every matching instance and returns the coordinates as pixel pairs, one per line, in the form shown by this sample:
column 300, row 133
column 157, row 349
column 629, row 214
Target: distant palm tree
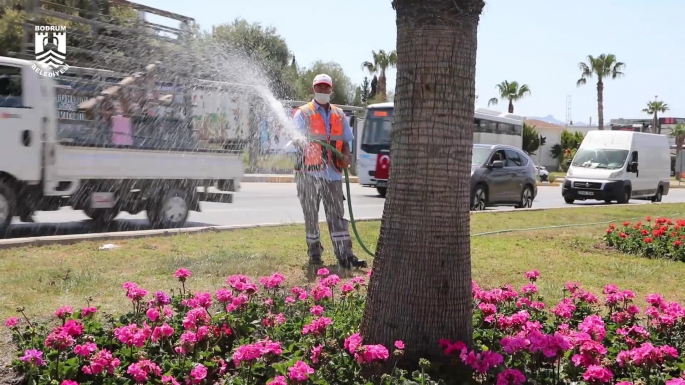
column 512, row 92
column 678, row 132
column 653, row 108
column 604, row 66
column 382, row 61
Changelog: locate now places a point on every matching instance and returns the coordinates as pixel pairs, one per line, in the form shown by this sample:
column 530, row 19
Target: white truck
column 50, row 159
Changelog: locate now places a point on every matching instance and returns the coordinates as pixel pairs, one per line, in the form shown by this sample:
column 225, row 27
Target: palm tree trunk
column 511, row 107
column 678, row 148
column 600, row 104
column 424, row 245
column 655, row 124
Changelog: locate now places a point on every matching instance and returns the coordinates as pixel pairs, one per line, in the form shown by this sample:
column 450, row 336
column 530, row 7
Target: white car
column 542, row 173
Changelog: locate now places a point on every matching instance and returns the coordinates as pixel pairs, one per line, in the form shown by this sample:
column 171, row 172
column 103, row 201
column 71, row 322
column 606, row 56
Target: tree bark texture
column 511, row 107
column 600, row 104
column 420, row 288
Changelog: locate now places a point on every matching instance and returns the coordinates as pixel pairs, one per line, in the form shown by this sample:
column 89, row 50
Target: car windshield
column 600, row 158
column 480, row 155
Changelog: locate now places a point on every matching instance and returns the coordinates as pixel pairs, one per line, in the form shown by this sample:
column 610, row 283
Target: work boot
column 315, row 251
column 351, row 262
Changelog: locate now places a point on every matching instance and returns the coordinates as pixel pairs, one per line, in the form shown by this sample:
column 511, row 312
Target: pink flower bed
column 264, row 333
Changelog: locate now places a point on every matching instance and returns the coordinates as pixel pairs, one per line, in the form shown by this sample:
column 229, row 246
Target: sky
column 534, row 42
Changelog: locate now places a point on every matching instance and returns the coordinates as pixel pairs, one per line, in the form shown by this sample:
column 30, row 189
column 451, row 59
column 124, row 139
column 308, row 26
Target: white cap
column 323, row 79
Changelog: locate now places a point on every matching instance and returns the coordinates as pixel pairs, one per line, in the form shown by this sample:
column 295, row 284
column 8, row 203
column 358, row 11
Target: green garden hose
column 366, row 249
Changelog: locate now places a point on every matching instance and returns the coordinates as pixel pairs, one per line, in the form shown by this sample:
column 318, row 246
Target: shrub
column 551, row 178
column 660, row 238
column 254, row 334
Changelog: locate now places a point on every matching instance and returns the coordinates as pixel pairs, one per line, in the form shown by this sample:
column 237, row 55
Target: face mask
column 322, row 98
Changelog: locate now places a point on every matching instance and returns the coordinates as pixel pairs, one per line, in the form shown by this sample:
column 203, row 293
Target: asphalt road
column 256, row 203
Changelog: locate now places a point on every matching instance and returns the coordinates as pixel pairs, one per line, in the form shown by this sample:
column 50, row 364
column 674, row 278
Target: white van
column 618, row 166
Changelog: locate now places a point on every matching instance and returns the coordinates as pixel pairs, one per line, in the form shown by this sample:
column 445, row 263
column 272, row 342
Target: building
column 552, row 134
column 645, row 125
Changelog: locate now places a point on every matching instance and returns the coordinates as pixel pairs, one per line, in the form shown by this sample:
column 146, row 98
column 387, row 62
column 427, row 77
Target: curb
column 547, row 183
column 76, row 238
column 280, row 179
column 138, row 234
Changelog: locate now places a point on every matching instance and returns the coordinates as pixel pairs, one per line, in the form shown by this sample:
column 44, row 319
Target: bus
column 490, row 127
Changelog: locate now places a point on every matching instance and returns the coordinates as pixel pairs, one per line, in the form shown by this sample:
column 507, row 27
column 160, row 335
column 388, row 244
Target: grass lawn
column 44, row 278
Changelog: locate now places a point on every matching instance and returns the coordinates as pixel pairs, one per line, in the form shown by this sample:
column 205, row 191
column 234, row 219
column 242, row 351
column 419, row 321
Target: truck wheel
column 171, row 210
column 7, row 206
column 569, row 200
column 382, row 191
column 659, row 194
column 26, row 216
column 625, row 196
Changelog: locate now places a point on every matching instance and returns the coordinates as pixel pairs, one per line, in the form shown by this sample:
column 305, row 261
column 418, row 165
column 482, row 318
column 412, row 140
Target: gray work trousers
column 311, row 191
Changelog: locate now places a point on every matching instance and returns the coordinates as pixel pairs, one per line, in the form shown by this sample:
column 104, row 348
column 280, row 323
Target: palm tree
column 604, row 66
column 653, row 108
column 512, row 92
column 382, row 61
column 678, row 132
column 424, row 245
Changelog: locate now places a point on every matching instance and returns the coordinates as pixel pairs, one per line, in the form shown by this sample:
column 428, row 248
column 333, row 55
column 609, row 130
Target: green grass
column 44, row 278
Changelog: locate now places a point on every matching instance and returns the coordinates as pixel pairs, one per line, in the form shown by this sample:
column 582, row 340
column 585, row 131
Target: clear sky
column 536, row 42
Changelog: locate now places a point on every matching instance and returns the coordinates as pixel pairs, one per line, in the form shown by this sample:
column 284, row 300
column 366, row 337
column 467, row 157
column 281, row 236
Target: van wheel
column 569, row 200
column 659, row 195
column 480, row 199
column 382, row 191
column 526, row 198
column 171, row 210
column 7, row 207
column 625, row 196
column 102, row 216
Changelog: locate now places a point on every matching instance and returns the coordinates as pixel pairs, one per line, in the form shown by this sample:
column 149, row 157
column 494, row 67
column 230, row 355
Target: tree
column 420, row 288
column 382, row 61
column 531, row 139
column 343, row 89
column 678, row 132
column 365, row 91
column 511, row 92
column 604, row 66
column 374, row 87
column 653, row 108
column 571, row 140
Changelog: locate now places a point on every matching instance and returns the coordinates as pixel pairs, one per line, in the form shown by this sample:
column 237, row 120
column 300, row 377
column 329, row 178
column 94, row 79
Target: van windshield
column 600, row 158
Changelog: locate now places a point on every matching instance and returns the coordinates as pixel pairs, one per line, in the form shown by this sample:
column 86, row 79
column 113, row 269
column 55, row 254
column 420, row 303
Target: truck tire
column 171, row 211
column 382, row 191
column 8, row 204
column 625, row 196
column 659, row 194
column 569, row 200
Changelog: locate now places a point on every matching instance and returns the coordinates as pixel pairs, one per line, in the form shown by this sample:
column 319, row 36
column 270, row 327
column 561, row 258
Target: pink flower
column 238, row 303
column 224, row 295
column 86, row 349
column 198, row 374
column 162, row 298
column 164, row 331
column 100, row 362
column 371, row 353
column 278, row 380
column 69, row 382
column 598, row 374
column 322, row 272
column 273, row 282
column 316, row 353
column 142, row 369
column 316, row 310
column 331, row 281
column 449, row 347
column 532, row 275
column 241, row 284
column 529, row 289
column 59, row 339
column 133, row 292
column 12, row 322
column 182, row 274
column 399, row 345
column 511, row 377
column 152, row 314
column 88, row 311
column 317, row 326
column 132, row 335
column 346, row 288
column 674, row 381
column 320, row 292
column 33, row 357
column 169, row 380
column 299, row 292
column 64, row 312
column 300, row 371
column 252, row 352
column 353, row 342
column 481, row 362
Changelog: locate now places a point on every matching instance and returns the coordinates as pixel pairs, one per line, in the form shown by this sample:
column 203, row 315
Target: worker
column 318, row 172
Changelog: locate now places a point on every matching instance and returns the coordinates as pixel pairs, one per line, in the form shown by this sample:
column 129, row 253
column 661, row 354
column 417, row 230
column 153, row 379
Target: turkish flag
column 383, row 165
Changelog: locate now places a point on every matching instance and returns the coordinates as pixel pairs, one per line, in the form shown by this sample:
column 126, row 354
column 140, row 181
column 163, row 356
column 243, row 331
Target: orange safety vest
column 316, row 157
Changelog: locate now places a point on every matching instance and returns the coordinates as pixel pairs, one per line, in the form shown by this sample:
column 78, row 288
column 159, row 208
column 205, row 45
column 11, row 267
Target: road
column 256, row 203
